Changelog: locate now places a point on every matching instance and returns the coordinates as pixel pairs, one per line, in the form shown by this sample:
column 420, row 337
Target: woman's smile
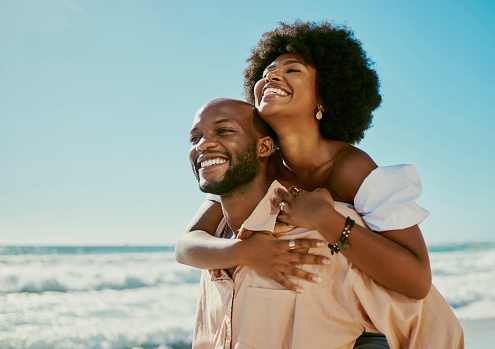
column 274, row 90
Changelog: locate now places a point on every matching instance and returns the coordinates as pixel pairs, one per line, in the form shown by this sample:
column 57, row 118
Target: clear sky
column 97, row 98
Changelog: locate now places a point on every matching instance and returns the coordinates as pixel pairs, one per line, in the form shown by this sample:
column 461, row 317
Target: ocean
column 140, row 297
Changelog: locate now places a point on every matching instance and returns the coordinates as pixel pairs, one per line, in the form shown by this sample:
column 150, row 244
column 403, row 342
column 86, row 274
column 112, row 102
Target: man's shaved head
column 258, row 123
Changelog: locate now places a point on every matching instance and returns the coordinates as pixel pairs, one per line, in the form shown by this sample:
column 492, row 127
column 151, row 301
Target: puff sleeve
column 387, row 198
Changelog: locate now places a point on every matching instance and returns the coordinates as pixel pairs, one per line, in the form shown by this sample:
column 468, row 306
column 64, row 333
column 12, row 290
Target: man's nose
column 205, row 143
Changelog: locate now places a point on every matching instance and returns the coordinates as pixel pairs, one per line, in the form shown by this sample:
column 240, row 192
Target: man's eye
column 292, row 70
column 224, row 130
column 194, row 139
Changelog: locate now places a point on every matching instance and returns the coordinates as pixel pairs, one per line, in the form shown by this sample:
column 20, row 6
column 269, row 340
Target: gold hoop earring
column 319, row 114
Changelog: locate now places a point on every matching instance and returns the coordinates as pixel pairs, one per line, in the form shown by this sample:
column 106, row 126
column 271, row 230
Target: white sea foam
column 467, row 281
column 117, row 300
column 106, row 319
column 67, row 273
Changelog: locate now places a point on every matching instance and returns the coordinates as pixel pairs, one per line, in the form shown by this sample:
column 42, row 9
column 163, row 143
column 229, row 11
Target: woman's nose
column 273, row 75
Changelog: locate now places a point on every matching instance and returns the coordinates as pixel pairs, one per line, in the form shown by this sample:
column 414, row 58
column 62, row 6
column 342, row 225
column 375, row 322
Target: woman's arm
column 198, row 247
column 398, row 259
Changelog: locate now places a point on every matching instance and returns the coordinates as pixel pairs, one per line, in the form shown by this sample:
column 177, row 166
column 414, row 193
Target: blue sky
column 97, row 98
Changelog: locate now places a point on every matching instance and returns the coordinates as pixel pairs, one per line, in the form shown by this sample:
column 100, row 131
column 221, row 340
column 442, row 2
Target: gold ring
column 281, row 205
column 292, row 245
column 295, row 191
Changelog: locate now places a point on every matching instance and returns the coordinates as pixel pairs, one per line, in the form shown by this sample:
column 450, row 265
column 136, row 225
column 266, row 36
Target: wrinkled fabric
column 251, row 311
column 386, row 199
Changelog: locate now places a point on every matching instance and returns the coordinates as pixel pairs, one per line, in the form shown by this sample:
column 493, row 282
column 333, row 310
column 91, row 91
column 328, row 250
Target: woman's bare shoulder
column 352, row 165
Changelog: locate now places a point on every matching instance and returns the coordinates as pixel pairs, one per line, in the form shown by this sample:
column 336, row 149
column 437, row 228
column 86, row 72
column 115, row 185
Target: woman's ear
column 265, row 147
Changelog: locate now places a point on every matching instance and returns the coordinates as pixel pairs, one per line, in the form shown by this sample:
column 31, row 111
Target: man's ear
column 265, row 147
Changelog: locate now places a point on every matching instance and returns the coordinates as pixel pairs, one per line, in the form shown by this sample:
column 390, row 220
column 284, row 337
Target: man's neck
column 238, row 205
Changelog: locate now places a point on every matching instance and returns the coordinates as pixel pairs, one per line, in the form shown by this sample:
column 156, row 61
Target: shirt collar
column 264, row 216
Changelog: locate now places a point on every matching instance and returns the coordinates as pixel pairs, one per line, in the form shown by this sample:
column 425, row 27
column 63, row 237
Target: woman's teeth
column 275, row 91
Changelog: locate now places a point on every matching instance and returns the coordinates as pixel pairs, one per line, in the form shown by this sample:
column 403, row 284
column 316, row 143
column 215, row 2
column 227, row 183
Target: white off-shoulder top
column 387, row 198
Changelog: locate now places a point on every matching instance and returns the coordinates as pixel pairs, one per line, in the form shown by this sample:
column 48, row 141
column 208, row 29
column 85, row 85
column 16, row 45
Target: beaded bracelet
column 342, row 242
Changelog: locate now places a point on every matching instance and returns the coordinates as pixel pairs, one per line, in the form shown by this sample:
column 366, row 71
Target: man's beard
column 241, row 171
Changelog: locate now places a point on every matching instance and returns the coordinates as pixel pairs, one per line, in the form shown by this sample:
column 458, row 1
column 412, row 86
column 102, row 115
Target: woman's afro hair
column 346, row 82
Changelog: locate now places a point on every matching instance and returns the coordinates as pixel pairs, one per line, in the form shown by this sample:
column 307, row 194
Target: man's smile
column 210, row 162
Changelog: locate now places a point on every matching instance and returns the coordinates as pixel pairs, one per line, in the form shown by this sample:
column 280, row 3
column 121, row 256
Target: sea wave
column 156, row 337
column 96, row 300
column 461, row 247
column 37, row 273
column 70, row 283
column 465, row 277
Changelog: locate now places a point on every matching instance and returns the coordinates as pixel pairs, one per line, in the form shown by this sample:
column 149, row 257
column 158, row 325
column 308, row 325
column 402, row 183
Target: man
column 230, row 147
column 229, row 152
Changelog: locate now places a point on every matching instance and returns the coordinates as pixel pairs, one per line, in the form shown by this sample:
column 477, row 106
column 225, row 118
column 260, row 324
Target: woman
column 314, row 86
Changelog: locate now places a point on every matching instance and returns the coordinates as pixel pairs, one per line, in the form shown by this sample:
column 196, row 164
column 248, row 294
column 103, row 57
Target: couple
column 243, row 309
column 312, row 84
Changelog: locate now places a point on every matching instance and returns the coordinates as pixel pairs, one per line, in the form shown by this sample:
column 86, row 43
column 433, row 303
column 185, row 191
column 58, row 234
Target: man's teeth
column 275, row 91
column 211, row 162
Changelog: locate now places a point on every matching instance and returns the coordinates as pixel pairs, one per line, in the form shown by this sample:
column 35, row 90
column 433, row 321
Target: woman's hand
column 279, row 229
column 300, row 207
column 274, row 259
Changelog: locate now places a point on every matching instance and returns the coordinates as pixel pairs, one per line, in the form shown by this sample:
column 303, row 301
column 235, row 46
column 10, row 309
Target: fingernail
column 299, row 290
column 316, row 279
column 326, row 261
column 319, row 244
column 290, row 225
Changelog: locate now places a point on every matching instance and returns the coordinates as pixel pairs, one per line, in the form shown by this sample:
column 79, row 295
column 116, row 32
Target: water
column 465, row 275
column 140, row 297
column 95, row 297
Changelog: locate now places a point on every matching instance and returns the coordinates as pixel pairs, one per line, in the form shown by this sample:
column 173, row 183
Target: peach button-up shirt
column 251, row 311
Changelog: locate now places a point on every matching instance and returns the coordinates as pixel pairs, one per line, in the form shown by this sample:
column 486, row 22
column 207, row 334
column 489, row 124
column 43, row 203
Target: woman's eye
column 287, row 71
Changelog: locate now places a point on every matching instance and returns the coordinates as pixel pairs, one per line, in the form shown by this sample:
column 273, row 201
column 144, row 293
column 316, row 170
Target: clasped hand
column 302, row 208
column 272, row 258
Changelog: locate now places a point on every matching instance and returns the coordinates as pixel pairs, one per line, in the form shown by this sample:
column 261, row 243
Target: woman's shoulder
column 351, row 166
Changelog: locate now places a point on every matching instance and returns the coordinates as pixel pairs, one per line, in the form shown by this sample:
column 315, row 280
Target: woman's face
column 288, row 86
